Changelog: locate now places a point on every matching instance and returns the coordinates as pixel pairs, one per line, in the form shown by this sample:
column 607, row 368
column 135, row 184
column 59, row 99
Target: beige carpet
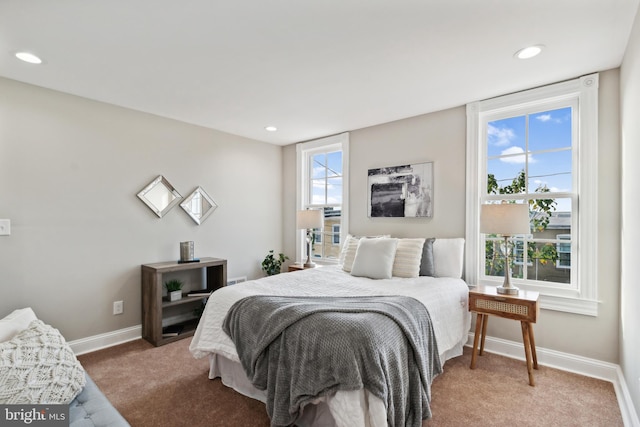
column 166, row 386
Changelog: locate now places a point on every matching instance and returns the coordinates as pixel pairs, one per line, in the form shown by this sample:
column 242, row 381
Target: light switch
column 5, row 227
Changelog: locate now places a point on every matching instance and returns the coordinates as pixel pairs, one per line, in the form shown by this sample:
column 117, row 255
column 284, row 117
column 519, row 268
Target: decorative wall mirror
column 160, row 196
column 198, row 205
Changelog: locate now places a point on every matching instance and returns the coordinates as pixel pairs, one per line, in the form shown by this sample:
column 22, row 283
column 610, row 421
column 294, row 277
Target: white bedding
column 445, row 298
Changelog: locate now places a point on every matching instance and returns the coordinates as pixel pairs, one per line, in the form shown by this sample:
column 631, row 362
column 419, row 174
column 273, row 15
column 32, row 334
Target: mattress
column 445, row 298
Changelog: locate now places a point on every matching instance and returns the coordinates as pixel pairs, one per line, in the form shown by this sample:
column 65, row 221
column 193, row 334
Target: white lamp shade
column 311, row 218
column 505, row 218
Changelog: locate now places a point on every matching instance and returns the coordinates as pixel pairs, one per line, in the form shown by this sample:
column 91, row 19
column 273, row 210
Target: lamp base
column 309, row 265
column 510, row 290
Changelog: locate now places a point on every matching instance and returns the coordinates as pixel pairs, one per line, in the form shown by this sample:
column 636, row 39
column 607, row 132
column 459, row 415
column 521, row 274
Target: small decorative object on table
column 272, row 265
column 172, row 331
column 186, row 252
column 174, row 289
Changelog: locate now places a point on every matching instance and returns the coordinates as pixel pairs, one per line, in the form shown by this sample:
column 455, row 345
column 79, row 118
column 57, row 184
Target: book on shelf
column 172, row 331
column 203, row 293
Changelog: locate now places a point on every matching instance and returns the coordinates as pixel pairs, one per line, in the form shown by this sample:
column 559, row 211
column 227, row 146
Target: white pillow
column 374, row 258
column 408, row 257
column 15, row 322
column 448, row 257
column 37, row 366
column 348, row 252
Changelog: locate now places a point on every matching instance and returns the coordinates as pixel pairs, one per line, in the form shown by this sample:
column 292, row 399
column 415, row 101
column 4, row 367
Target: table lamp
column 506, row 219
column 308, row 220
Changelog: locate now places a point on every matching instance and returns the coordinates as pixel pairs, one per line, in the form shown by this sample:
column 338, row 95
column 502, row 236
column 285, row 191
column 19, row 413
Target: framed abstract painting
column 401, row 191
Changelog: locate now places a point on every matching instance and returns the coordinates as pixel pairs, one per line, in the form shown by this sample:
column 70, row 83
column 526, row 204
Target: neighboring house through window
column 323, row 184
column 564, row 251
column 538, row 147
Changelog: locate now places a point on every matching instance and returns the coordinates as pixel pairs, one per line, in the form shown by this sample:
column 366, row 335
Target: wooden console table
column 154, row 306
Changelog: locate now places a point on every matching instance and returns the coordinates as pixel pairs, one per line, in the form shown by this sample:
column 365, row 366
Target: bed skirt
column 344, row 409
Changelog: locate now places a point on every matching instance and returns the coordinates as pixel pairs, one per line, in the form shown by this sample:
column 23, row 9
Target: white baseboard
column 629, row 415
column 109, row 339
column 571, row 363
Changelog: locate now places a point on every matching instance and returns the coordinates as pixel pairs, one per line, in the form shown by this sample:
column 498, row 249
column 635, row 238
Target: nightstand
column 485, row 301
column 297, row 267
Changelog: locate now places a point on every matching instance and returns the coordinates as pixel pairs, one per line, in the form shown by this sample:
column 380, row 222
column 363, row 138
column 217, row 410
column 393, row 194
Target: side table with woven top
column 485, row 301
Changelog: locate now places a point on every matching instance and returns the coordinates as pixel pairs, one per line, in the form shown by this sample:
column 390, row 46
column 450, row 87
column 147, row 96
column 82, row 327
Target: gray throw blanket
column 300, row 348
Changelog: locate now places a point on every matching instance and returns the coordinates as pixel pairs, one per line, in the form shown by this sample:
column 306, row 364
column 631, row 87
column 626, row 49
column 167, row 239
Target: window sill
column 569, row 305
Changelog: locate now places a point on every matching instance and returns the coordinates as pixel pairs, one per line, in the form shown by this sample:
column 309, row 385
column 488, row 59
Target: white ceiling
column 311, row 68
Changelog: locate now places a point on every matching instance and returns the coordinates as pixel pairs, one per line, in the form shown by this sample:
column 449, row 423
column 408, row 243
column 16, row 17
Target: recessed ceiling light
column 28, row 57
column 271, row 128
column 529, row 52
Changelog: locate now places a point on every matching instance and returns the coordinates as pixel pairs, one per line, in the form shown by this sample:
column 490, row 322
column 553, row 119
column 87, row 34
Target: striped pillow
column 408, row 257
column 348, row 253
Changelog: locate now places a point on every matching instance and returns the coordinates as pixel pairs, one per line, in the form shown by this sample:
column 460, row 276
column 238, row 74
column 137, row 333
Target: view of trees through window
column 529, row 160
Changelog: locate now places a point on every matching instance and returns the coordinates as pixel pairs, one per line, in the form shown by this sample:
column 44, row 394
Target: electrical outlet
column 118, row 307
column 5, row 227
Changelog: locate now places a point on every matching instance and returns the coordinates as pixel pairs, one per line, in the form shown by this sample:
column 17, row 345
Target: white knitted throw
column 37, row 366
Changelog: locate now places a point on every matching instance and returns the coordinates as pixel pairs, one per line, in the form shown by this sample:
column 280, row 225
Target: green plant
column 173, row 285
column 272, row 264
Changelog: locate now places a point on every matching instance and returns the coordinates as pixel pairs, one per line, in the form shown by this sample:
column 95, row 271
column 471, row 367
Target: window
column 531, row 147
column 564, row 251
column 335, row 230
column 519, row 254
column 323, row 184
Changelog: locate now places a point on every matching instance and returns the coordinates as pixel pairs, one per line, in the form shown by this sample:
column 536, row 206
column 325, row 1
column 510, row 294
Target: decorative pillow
column 374, row 258
column 348, row 253
column 37, row 366
column 408, row 257
column 448, row 257
column 15, row 322
column 426, row 264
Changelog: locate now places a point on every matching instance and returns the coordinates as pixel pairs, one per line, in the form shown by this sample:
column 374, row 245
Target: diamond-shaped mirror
column 160, row 196
column 199, row 205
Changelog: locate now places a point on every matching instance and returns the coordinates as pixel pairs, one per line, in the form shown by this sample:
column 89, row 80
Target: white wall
column 437, row 137
column 70, row 170
column 630, row 230
column 441, row 137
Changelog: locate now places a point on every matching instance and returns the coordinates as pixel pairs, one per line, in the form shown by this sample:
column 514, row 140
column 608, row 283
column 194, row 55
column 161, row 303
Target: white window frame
column 583, row 297
column 303, row 152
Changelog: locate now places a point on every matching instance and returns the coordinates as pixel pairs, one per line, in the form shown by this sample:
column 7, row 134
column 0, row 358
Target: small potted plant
column 174, row 289
column 272, row 264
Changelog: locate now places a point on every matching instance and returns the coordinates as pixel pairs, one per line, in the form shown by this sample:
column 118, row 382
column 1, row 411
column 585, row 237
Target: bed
column 442, row 292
